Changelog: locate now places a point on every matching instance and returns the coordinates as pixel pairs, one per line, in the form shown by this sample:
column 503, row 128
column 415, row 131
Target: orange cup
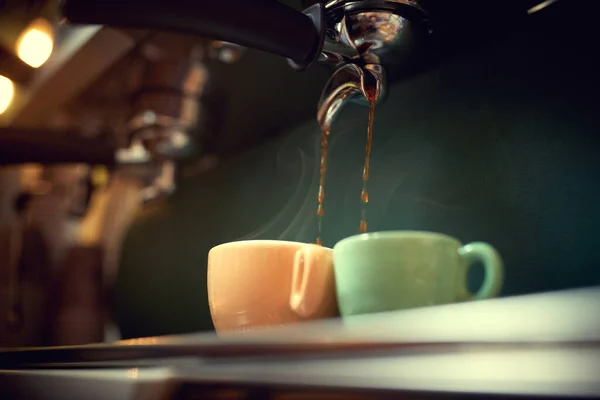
column 269, row 283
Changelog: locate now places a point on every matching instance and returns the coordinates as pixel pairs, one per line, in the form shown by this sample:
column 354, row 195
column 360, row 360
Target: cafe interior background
column 498, row 142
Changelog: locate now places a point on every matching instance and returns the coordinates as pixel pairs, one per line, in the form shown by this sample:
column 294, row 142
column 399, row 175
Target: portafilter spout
column 364, row 39
column 349, row 82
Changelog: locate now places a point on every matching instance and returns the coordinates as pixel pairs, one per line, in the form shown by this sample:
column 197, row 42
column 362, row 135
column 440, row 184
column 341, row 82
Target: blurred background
column 103, row 236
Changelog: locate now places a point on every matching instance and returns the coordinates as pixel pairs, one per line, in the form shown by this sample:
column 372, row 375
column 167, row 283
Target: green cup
column 384, row 271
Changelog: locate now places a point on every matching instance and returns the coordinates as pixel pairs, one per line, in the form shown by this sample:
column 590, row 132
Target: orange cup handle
column 309, row 280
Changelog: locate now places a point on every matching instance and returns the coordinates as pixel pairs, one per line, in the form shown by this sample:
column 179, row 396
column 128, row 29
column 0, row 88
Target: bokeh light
column 34, row 46
column 7, row 93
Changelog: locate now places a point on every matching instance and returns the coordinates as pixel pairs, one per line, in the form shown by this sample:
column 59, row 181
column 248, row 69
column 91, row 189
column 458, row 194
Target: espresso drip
column 321, row 195
column 364, row 194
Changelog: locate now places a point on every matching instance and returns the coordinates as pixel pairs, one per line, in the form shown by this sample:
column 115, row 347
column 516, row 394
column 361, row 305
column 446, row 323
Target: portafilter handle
column 266, row 25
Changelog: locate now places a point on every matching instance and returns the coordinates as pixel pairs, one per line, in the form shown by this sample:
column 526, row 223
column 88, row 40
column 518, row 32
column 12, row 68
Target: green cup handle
column 492, row 264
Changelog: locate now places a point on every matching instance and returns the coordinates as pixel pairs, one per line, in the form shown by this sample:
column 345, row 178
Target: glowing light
column 7, row 92
column 34, row 46
column 133, row 373
column 100, row 176
column 540, row 6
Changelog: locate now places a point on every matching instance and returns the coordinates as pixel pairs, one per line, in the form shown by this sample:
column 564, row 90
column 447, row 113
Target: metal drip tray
column 566, row 317
column 544, row 345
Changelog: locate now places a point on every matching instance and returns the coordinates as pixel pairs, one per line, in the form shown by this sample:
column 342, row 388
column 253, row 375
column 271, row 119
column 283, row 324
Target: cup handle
column 493, row 267
column 309, row 280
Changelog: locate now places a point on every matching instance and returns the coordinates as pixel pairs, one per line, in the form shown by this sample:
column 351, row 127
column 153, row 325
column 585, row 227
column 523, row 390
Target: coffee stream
column 364, row 194
column 321, row 195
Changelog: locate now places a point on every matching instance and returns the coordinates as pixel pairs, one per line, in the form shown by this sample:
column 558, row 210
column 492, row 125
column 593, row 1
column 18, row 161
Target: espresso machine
column 367, row 44
column 551, row 350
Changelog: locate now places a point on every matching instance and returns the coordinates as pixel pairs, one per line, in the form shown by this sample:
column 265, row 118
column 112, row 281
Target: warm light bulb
column 35, row 44
column 7, row 92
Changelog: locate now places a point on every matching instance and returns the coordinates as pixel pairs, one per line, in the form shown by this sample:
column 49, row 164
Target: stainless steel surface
column 363, row 39
column 110, row 384
column 543, row 319
column 163, row 135
column 534, row 372
column 167, row 107
column 542, row 345
column 375, row 36
column 226, row 52
column 349, row 81
column 541, row 371
column 334, row 3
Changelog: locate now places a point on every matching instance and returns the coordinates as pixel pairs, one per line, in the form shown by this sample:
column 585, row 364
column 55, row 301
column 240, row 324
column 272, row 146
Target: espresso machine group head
column 366, row 42
column 360, row 39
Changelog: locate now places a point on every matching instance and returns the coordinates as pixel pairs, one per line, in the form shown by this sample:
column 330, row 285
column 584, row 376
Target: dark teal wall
column 501, row 146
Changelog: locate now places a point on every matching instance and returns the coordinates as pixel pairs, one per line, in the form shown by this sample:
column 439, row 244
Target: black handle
column 20, row 146
column 266, row 25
